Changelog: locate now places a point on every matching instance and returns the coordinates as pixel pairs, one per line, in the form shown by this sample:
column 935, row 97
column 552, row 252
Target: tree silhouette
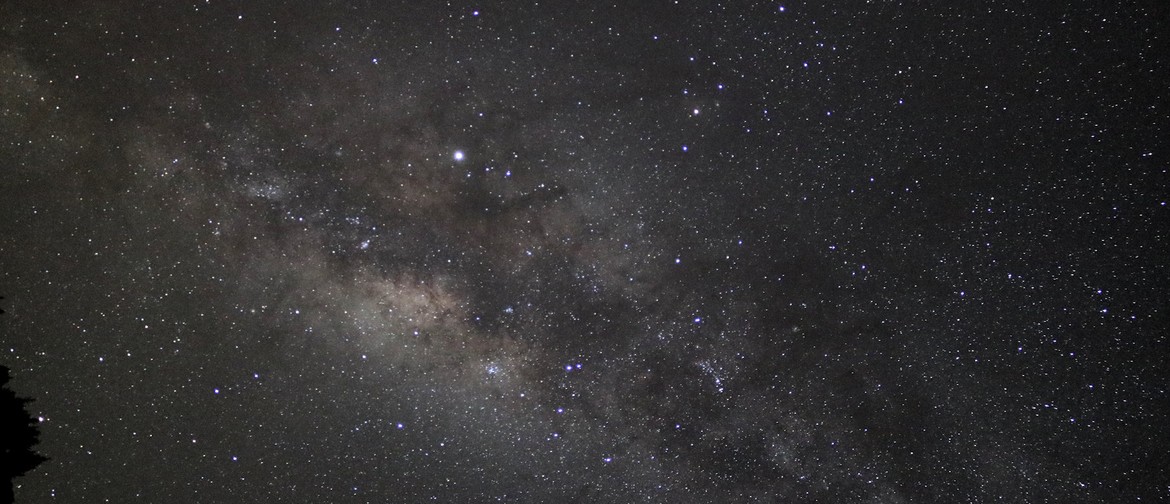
column 20, row 434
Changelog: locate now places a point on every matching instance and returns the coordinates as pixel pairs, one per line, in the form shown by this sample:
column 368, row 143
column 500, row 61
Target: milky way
column 666, row 252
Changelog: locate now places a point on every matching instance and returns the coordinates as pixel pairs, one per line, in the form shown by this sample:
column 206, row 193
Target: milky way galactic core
column 580, row 252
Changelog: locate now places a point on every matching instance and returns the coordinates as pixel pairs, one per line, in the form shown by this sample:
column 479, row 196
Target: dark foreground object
column 20, row 435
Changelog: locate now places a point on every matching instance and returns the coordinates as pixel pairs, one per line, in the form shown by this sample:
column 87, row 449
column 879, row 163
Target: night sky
column 660, row 251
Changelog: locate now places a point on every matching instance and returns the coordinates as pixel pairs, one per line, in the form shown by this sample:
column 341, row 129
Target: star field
column 669, row 251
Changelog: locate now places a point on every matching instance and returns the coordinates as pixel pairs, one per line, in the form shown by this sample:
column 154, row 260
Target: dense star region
column 653, row 251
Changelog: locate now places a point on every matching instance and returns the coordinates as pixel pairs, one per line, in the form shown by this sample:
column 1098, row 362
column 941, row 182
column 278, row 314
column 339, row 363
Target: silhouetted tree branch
column 20, row 435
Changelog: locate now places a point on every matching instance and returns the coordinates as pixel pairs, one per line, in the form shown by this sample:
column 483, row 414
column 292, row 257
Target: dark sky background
column 661, row 251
